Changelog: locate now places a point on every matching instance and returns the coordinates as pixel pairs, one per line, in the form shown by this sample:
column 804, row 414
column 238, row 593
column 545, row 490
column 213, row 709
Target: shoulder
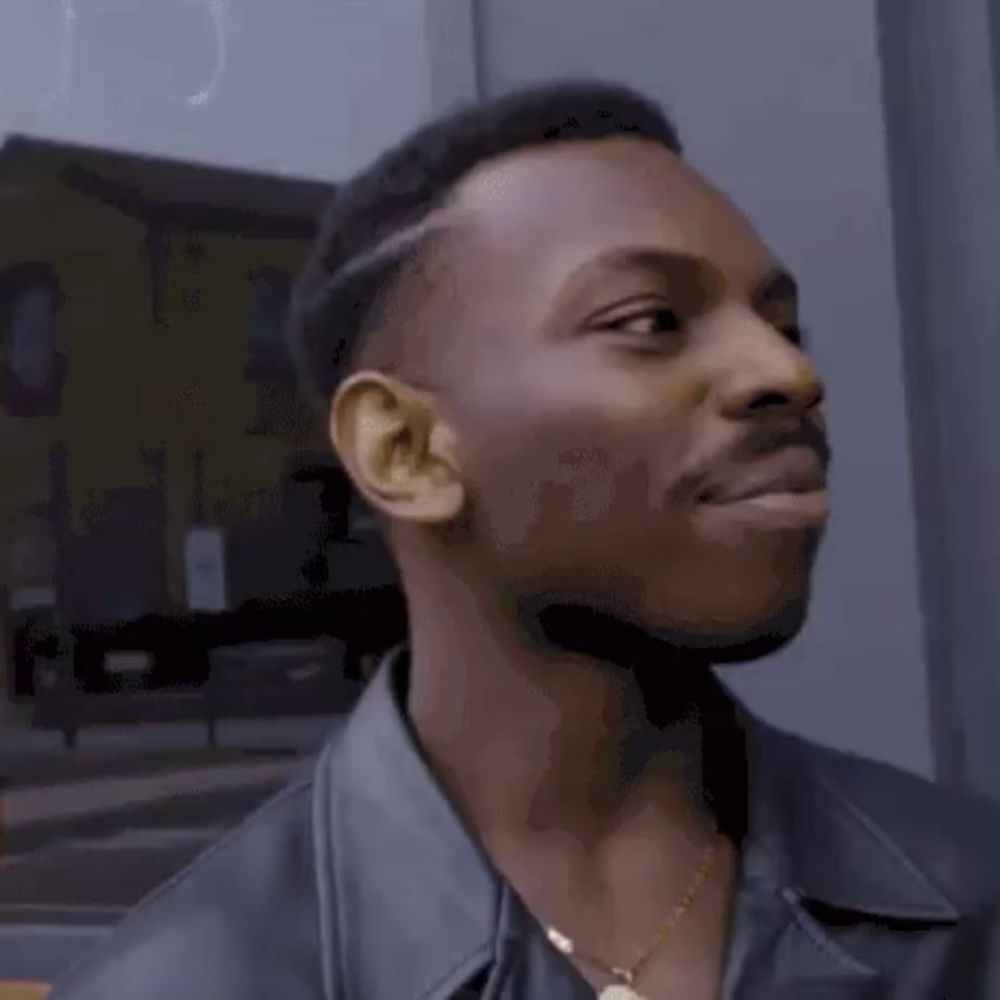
column 197, row 936
column 951, row 835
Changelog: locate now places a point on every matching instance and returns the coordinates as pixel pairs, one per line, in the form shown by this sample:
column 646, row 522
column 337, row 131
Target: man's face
column 638, row 426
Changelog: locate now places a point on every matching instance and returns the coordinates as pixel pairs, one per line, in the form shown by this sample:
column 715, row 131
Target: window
column 268, row 355
column 33, row 337
column 30, row 301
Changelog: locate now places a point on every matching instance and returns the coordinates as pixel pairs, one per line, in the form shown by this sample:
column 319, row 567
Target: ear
column 396, row 450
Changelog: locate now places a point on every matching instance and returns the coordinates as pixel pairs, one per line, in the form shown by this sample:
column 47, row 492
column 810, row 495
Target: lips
column 795, row 472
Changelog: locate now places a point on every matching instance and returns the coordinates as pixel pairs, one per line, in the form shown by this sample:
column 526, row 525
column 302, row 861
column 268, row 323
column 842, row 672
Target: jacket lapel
column 408, row 903
column 809, row 842
column 777, row 951
column 410, row 908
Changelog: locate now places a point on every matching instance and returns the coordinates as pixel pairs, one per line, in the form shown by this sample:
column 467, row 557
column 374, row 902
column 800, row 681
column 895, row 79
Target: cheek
column 544, row 481
column 558, row 446
column 583, row 483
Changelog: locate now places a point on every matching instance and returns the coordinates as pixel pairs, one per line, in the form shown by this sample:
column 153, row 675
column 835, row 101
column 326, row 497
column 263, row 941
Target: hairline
column 386, row 261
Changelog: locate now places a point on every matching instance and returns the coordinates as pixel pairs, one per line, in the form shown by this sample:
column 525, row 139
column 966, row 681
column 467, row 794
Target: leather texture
column 360, row 882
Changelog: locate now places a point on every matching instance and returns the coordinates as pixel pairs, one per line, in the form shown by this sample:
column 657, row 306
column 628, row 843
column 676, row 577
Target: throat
column 569, row 748
column 592, row 763
column 577, row 745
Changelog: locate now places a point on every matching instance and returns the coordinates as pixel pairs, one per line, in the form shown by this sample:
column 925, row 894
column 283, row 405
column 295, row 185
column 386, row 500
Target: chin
column 603, row 626
column 735, row 610
column 748, row 638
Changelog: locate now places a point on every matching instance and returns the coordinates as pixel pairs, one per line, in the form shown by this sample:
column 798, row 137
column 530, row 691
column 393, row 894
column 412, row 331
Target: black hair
column 339, row 288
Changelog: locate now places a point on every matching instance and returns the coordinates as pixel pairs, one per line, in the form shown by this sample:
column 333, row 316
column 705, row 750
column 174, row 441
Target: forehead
column 548, row 210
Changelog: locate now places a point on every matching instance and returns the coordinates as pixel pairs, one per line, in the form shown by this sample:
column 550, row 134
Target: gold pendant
column 619, row 992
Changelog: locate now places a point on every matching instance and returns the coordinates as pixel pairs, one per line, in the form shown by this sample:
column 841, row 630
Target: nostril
column 809, row 398
column 770, row 401
column 817, row 397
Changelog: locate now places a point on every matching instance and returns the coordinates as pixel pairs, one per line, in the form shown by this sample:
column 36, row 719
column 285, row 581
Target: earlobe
column 399, row 454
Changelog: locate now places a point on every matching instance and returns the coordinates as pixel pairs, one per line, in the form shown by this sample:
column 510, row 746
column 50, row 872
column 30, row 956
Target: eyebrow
column 640, row 258
column 777, row 285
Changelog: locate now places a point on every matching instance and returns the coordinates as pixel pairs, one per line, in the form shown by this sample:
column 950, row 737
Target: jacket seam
column 324, row 848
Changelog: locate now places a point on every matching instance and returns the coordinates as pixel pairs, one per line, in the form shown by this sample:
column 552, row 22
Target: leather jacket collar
column 379, row 813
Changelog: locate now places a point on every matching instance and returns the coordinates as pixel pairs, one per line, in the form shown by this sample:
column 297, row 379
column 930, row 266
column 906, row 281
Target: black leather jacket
column 359, row 882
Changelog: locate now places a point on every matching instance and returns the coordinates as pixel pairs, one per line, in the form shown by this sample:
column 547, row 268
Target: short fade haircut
column 362, row 240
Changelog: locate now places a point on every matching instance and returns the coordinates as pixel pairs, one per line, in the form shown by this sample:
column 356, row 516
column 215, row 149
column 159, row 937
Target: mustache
column 763, row 440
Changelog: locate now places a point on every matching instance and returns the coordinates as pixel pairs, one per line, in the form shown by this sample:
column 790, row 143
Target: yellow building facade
column 155, row 265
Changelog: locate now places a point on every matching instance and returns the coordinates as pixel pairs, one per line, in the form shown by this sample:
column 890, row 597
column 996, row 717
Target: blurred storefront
column 150, row 399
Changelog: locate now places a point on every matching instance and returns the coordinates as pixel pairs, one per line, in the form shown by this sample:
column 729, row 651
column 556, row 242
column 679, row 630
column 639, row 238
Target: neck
column 590, row 731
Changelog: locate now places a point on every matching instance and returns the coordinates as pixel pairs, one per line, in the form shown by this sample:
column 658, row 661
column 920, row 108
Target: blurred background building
column 162, row 167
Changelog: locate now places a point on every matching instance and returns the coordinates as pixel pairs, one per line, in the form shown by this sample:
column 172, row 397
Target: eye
column 646, row 322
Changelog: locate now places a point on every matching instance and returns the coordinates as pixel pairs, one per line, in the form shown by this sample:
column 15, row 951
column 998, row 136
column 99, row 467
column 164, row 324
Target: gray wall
column 780, row 102
column 942, row 83
column 298, row 87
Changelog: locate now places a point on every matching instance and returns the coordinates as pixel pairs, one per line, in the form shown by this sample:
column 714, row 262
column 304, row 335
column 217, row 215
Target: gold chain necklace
column 626, row 977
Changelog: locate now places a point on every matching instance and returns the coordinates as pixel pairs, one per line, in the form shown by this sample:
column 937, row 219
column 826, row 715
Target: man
column 570, row 379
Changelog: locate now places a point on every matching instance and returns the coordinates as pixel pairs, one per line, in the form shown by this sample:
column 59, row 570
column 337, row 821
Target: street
column 87, row 836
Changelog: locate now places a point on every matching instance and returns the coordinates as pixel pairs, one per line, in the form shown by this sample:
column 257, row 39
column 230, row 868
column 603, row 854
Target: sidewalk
column 127, row 773
column 87, row 833
column 307, row 732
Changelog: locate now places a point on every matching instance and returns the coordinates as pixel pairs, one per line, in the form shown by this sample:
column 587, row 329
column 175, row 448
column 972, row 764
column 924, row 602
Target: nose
column 766, row 375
